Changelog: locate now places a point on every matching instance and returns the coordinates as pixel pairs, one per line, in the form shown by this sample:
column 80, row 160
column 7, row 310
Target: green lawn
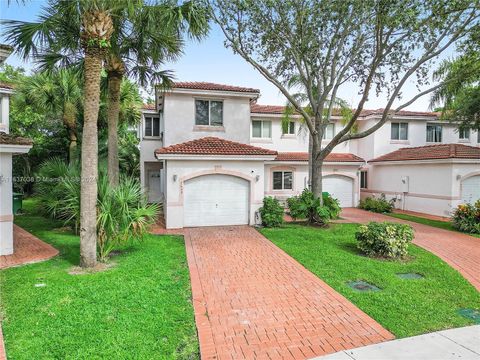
column 405, row 307
column 139, row 309
column 435, row 223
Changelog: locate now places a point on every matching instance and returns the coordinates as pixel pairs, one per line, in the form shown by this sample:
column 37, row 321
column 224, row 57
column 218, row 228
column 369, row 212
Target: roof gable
column 191, row 85
column 214, row 146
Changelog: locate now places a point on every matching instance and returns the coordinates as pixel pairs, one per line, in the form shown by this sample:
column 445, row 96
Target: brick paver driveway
column 252, row 300
column 460, row 251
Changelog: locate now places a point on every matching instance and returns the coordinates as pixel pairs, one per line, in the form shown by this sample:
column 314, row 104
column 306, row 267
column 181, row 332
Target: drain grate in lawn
column 362, row 286
column 471, row 314
column 410, row 276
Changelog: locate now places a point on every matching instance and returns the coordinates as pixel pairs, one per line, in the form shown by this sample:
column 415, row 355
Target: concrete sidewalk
column 461, row 343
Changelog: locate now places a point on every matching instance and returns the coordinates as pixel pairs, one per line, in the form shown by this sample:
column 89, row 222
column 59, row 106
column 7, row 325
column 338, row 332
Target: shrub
column 378, row 205
column 123, row 214
column 466, row 218
column 307, row 206
column 388, row 240
column 272, row 212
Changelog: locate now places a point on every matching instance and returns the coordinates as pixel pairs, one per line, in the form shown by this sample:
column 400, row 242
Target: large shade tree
column 365, row 45
column 459, row 93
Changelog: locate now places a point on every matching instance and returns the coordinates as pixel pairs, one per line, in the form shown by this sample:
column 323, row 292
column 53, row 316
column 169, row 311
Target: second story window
column 464, row 134
column 290, row 130
column 282, row 180
column 329, row 132
column 209, row 112
column 261, row 129
column 399, row 131
column 152, row 126
column 434, row 133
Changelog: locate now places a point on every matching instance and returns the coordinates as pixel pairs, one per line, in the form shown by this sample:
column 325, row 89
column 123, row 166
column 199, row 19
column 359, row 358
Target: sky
column 210, row 61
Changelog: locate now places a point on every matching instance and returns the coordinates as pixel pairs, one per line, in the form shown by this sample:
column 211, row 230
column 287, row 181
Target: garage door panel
column 339, row 187
column 216, row 200
column 471, row 189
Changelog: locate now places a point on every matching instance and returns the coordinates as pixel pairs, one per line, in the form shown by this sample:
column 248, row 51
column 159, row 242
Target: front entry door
column 154, row 187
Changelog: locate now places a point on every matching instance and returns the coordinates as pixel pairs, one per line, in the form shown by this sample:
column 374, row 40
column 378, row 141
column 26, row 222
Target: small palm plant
column 123, row 214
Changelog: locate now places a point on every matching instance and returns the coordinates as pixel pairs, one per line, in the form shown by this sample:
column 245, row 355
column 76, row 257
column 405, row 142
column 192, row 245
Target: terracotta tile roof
column 279, row 109
column 214, row 146
column 212, row 86
column 148, row 107
column 432, row 152
column 267, row 109
column 6, row 86
column 332, row 157
column 366, row 112
column 9, row 139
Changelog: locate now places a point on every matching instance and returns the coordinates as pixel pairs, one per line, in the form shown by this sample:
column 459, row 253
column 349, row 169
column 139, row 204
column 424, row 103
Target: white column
column 6, row 198
column 4, row 108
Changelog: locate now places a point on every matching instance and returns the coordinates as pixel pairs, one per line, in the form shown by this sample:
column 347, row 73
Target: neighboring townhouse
column 427, row 165
column 210, row 154
column 9, row 145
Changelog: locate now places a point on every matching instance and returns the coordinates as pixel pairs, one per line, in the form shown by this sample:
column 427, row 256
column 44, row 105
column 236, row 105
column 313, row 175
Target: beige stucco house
column 210, row 153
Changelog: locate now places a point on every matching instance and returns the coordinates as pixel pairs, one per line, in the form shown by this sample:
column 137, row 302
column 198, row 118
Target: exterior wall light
column 175, row 178
column 257, row 177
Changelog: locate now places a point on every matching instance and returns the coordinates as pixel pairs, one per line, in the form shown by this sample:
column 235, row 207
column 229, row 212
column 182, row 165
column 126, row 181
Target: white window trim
column 426, row 134
column 366, row 173
column 261, row 130
column 288, row 134
column 283, row 179
column 209, row 117
column 325, row 138
column 153, row 116
column 464, row 139
column 398, row 141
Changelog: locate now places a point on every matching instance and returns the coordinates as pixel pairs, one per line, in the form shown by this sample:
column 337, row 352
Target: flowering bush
column 466, row 218
column 388, row 240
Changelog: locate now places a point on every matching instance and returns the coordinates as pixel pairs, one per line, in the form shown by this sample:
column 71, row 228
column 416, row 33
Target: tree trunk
column 310, row 160
column 88, row 195
column 113, row 111
column 317, row 178
column 316, row 168
column 70, row 123
column 72, row 147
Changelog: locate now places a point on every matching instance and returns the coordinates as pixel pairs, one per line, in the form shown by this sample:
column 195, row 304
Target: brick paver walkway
column 27, row 249
column 252, row 300
column 460, row 251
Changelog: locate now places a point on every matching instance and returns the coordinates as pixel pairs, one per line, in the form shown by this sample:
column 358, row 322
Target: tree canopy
column 366, row 45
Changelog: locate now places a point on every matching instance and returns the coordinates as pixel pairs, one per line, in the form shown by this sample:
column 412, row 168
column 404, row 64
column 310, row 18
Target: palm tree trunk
column 88, row 194
column 114, row 83
column 72, row 147
column 69, row 121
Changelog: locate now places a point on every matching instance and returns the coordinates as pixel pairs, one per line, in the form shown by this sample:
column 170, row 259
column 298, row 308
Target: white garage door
column 341, row 188
column 471, row 189
column 216, row 200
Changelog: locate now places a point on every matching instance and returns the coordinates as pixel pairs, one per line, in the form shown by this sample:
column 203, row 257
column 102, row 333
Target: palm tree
column 78, row 29
column 58, row 93
column 139, row 48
